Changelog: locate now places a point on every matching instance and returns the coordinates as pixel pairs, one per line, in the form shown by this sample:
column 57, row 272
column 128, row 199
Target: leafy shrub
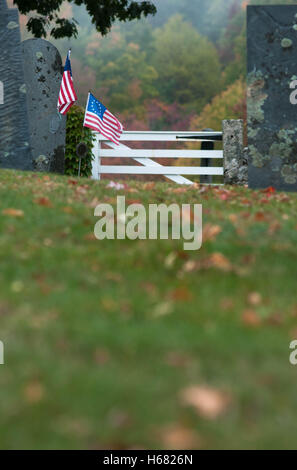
column 76, row 133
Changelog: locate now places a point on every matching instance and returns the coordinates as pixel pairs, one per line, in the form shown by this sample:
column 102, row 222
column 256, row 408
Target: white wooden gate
column 145, row 156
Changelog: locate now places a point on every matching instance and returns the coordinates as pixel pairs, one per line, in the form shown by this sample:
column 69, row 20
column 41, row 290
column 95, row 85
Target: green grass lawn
column 139, row 344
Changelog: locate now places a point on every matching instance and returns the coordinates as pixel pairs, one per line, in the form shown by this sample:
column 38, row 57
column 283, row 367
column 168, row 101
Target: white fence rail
column 146, row 156
column 231, row 136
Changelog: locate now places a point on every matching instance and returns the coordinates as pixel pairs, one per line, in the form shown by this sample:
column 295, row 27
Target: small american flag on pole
column 67, row 95
column 98, row 118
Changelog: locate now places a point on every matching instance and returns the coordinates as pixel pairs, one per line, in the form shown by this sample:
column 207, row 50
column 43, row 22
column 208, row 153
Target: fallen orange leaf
column 90, row 236
column 250, row 318
column 260, row 217
column 210, row 232
column 208, row 402
column 178, row 437
column 218, row 260
column 67, row 210
column 254, row 298
column 181, row 294
column 34, row 392
column 13, row 212
column 149, row 186
column 273, row 227
column 43, row 201
column 269, row 190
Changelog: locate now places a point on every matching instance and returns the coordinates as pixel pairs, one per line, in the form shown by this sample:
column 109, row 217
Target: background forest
column 182, row 69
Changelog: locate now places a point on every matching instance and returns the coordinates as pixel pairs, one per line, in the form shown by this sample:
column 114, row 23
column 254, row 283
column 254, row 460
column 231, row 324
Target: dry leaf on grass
column 218, row 260
column 34, row 392
column 81, row 189
column 254, row 298
column 208, row 402
column 215, row 260
column 179, row 190
column 132, row 190
column 112, row 276
column 210, row 232
column 94, row 203
column 227, row 303
column 273, row 227
column 251, row 318
column 269, row 190
column 17, row 286
column 13, row 212
column 178, row 437
column 67, row 209
column 43, row 201
column 149, row 288
column 276, row 319
column 90, row 236
column 181, row 294
column 190, row 266
column 170, row 260
column 260, row 217
column 109, row 304
column 133, row 201
column 72, row 182
column 149, row 186
column 162, row 309
column 233, row 218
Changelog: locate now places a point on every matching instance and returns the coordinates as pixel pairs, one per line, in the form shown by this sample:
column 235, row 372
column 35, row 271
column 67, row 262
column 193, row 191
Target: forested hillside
column 184, row 68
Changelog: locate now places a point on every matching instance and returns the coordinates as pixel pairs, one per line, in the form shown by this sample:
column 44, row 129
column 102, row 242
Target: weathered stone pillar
column 235, row 166
column 14, row 131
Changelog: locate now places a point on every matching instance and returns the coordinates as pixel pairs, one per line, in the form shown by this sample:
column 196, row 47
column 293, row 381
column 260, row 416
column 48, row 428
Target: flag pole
column 79, row 163
column 86, row 107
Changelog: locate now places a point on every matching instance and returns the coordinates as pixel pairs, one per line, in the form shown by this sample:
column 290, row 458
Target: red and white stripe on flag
column 67, row 95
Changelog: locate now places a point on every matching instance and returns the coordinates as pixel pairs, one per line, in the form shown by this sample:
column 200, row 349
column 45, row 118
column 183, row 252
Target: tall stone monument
column 271, row 114
column 43, row 73
column 14, row 131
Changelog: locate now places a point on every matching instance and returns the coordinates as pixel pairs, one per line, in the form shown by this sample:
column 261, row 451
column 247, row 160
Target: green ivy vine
column 76, row 133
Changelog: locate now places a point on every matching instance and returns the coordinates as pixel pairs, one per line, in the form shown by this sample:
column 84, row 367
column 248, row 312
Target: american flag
column 98, row 118
column 67, row 95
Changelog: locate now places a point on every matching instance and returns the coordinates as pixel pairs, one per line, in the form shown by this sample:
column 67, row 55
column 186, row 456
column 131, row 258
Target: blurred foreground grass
column 138, row 344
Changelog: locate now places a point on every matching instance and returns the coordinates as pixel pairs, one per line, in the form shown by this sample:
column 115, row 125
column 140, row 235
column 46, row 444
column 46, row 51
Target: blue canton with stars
column 68, row 64
column 94, row 106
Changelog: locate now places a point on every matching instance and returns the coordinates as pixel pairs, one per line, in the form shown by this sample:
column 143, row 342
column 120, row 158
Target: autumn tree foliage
column 187, row 64
column 230, row 104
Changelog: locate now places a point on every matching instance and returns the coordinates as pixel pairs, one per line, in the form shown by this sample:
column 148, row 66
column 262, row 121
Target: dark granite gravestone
column 43, row 73
column 14, row 132
column 272, row 118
